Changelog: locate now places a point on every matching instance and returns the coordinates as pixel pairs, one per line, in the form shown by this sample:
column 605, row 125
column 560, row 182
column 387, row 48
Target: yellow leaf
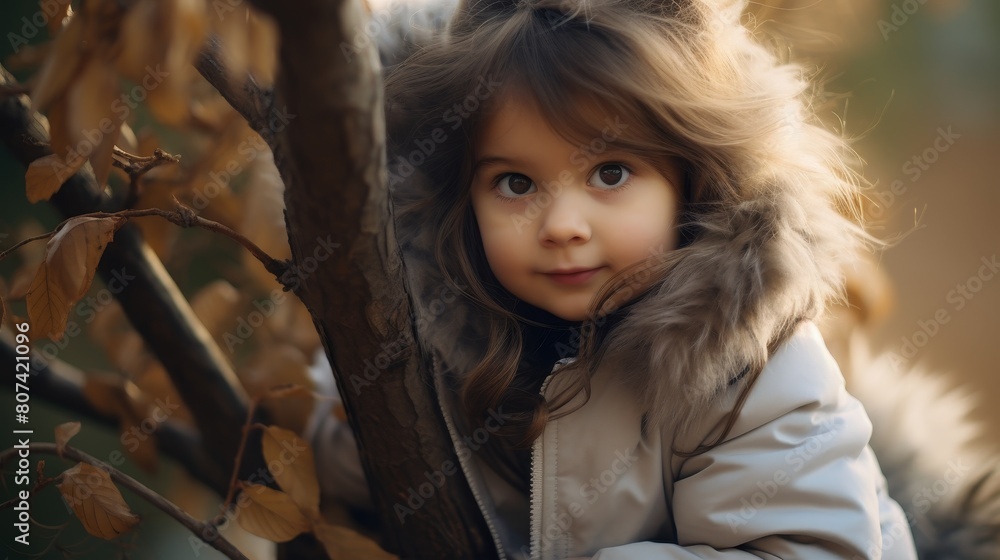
column 65, row 432
column 342, row 543
column 61, row 66
column 71, row 258
column 270, row 514
column 291, row 462
column 47, row 174
column 96, row 501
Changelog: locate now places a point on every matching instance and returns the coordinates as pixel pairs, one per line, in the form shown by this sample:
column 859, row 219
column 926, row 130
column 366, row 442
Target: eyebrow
column 492, row 160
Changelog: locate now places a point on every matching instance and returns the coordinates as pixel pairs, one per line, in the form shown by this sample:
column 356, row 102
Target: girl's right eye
column 514, row 185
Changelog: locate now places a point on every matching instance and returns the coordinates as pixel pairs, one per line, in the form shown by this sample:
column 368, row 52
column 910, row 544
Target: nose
column 564, row 221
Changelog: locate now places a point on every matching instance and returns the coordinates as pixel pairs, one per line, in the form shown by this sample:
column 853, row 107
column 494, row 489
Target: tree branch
column 331, row 155
column 60, row 384
column 149, row 297
column 198, row 528
column 249, row 99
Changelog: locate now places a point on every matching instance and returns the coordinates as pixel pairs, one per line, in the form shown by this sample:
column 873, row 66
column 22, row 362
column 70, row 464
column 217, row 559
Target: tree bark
column 330, row 150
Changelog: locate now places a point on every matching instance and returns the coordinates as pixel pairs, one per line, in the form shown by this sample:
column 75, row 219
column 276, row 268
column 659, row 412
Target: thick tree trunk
column 329, row 144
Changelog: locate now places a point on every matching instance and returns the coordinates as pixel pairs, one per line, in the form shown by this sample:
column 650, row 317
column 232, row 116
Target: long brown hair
column 691, row 86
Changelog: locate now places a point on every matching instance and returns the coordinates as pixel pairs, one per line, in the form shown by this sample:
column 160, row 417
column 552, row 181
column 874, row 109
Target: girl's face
column 557, row 219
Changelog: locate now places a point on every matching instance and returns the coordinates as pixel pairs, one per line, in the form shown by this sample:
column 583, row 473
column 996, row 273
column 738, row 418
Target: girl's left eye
column 610, row 176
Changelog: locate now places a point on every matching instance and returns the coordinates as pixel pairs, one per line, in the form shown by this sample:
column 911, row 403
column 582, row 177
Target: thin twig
column 184, row 217
column 248, row 98
column 25, row 242
column 36, row 489
column 136, row 166
column 198, row 528
column 236, row 463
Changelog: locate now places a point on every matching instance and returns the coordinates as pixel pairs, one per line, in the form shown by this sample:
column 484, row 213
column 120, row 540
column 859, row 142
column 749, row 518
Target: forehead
column 516, row 113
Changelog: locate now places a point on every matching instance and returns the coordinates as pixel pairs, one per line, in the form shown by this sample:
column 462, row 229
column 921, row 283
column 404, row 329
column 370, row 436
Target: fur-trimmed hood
column 756, row 265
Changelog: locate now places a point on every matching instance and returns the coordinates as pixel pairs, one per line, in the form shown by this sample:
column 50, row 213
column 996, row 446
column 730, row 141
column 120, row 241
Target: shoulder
column 800, row 377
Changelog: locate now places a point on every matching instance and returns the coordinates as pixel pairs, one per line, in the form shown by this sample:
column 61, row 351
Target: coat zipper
column 535, row 514
column 452, row 433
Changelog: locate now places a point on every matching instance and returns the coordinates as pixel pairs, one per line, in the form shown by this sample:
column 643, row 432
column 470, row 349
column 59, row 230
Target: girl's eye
column 513, row 185
column 610, row 175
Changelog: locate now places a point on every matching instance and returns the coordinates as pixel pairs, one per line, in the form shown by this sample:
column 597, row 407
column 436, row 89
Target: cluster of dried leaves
column 277, row 515
column 149, row 43
column 111, row 65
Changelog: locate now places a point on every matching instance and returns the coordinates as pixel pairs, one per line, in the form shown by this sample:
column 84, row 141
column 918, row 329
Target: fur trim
column 757, row 266
column 929, row 450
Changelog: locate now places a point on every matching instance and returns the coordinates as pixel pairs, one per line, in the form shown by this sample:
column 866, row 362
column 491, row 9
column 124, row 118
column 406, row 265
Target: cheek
column 646, row 234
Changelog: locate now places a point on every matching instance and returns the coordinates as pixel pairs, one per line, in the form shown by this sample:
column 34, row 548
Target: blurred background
column 915, row 82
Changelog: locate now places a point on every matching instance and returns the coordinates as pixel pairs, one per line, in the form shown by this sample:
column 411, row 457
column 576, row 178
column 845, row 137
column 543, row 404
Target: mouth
column 573, row 275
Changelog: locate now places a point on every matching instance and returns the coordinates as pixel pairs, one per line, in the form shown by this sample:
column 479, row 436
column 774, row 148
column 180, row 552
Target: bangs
column 588, row 84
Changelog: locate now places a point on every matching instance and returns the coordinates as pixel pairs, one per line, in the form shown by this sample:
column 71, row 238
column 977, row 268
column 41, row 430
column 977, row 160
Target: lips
column 573, row 275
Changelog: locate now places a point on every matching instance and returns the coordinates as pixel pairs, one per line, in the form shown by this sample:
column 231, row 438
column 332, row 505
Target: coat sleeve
column 794, row 479
column 338, row 464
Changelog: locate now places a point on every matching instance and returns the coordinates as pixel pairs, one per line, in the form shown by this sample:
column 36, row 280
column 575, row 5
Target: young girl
column 619, row 221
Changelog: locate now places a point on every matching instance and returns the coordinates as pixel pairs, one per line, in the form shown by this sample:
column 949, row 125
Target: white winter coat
column 794, row 478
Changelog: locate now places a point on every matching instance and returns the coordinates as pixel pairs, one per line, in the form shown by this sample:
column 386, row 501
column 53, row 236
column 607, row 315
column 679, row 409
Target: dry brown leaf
column 217, row 306
column 263, row 47
column 64, row 433
column 292, row 323
column 278, row 364
column 61, row 66
column 96, row 501
column 232, row 30
column 71, row 258
column 93, row 125
column 124, row 400
column 56, row 19
column 160, row 235
column 291, row 462
column 263, row 215
column 128, row 141
column 21, row 281
column 183, row 31
column 270, row 514
column 46, row 175
column 342, row 543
